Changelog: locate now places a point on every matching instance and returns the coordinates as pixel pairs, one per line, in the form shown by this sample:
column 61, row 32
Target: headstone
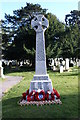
column 54, row 68
column 67, row 64
column 61, row 68
column 56, row 62
column 1, row 70
column 71, row 62
column 63, row 62
column 78, row 63
column 41, row 79
column 21, row 64
column 52, row 62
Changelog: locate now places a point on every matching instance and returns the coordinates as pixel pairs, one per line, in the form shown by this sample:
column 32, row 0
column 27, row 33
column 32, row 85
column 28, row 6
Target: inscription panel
column 40, row 78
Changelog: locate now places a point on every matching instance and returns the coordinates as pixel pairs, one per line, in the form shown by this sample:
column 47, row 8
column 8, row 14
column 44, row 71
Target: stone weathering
column 41, row 90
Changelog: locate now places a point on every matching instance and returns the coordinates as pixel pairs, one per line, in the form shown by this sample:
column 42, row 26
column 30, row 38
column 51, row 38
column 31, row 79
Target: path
column 9, row 83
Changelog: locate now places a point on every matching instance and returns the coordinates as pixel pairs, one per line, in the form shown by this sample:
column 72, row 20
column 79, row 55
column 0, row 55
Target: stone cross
column 41, row 79
column 40, row 24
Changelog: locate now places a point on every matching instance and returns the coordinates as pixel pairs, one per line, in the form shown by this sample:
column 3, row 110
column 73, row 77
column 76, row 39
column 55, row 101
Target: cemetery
column 40, row 65
column 58, row 64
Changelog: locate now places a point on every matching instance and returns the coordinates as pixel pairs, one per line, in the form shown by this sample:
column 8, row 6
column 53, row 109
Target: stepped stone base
column 41, row 82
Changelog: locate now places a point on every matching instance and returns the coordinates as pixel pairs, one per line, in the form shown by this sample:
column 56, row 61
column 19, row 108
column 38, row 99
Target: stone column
column 41, row 79
column 40, row 54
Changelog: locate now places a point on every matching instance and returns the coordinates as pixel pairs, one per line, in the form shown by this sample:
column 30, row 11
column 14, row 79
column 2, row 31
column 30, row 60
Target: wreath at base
column 40, row 96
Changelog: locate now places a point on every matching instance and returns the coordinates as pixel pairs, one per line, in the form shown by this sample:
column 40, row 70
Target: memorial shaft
column 40, row 54
column 41, row 79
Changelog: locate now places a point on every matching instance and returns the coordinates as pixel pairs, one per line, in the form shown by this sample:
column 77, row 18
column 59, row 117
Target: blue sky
column 58, row 7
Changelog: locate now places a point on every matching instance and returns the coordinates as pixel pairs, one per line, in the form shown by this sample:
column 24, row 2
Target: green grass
column 65, row 83
column 0, row 79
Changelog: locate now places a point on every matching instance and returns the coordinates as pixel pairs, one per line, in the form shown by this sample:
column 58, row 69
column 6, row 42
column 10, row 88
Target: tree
column 19, row 38
column 53, row 36
column 73, row 18
column 73, row 22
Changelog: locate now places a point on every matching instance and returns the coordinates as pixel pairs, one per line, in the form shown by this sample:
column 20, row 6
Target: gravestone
column 61, row 66
column 67, row 64
column 41, row 79
column 63, row 62
column 54, row 68
column 71, row 62
column 1, row 70
column 78, row 63
column 52, row 62
column 56, row 61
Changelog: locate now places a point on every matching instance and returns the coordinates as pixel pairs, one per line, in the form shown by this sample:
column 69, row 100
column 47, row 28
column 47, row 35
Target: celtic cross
column 39, row 23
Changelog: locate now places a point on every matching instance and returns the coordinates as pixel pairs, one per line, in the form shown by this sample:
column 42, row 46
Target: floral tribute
column 40, row 98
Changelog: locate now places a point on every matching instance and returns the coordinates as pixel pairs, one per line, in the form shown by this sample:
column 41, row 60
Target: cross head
column 39, row 23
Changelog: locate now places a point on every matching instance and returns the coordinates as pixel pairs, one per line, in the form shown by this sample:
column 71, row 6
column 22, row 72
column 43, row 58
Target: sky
column 57, row 7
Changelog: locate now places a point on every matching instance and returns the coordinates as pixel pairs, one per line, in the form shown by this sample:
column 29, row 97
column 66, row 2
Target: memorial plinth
column 41, row 79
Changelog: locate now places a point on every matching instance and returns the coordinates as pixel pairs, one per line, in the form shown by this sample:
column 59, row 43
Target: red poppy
column 24, row 96
column 56, row 93
column 30, row 97
column 27, row 92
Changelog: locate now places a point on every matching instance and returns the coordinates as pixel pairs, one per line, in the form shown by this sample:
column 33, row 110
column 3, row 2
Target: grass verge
column 65, row 83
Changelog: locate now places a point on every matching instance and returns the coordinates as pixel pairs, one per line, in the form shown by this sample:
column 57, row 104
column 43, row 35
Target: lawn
column 65, row 83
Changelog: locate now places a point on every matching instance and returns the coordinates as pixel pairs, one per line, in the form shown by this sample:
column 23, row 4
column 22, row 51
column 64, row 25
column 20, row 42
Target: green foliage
column 73, row 18
column 19, row 39
column 53, row 35
column 73, row 21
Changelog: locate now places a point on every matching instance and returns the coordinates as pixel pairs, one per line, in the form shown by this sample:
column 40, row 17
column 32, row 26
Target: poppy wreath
column 30, row 96
column 25, row 94
column 56, row 93
column 50, row 95
column 40, row 96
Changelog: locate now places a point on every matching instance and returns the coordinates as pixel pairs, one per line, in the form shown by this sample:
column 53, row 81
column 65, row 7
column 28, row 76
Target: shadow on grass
column 64, row 73
column 68, row 109
column 68, row 74
column 20, row 69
